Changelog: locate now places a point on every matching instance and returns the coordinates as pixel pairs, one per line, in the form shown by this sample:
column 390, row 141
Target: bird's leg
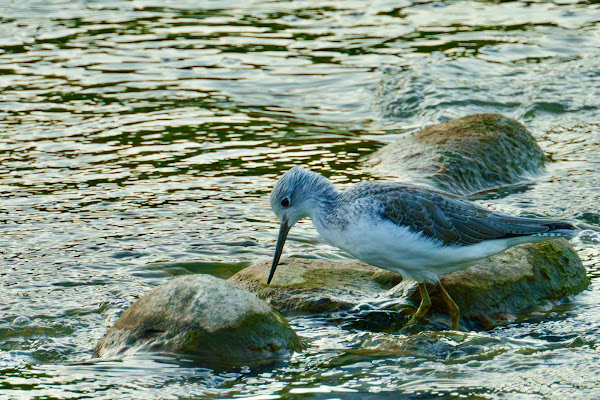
column 453, row 309
column 423, row 307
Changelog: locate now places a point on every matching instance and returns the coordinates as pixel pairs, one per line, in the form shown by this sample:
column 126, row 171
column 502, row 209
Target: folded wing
column 455, row 221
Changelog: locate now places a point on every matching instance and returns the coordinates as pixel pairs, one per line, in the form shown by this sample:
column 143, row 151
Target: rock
column 311, row 286
column 462, row 156
column 202, row 317
column 451, row 346
column 507, row 283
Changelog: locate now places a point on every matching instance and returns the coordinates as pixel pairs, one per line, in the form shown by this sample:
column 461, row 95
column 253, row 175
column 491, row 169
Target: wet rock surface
column 205, row 318
column 462, row 156
column 365, row 297
column 312, row 286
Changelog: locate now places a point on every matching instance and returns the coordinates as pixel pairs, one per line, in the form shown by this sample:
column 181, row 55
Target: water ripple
column 139, row 141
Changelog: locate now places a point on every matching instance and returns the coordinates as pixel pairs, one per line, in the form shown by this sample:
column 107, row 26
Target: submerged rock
column 203, row 317
column 462, row 156
column 507, row 283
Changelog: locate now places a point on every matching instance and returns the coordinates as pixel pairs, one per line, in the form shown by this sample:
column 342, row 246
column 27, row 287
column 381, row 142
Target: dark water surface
column 139, row 141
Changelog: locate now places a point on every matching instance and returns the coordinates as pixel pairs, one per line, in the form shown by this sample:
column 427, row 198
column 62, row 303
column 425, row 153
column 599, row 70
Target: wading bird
column 417, row 232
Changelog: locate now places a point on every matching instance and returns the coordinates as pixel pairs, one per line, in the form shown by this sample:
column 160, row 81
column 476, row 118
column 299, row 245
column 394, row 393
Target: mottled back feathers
column 446, row 218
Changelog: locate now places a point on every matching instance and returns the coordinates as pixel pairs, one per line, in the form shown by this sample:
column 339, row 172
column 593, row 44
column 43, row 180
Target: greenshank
column 415, row 231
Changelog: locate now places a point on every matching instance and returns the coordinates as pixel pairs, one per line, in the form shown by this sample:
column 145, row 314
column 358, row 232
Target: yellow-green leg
column 423, row 307
column 453, row 309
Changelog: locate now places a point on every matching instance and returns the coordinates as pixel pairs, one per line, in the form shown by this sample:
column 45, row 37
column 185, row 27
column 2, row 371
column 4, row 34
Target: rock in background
column 205, row 318
column 462, row 156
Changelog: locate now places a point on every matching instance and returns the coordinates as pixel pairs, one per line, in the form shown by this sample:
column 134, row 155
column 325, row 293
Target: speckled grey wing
column 452, row 220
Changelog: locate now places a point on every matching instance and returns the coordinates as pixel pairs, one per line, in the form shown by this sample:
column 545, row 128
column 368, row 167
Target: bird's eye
column 285, row 202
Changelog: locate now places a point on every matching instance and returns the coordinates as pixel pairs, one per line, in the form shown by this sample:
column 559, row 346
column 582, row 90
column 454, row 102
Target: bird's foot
column 411, row 327
column 414, row 318
column 423, row 307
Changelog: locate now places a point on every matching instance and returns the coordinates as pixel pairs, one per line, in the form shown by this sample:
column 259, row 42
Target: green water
column 139, row 141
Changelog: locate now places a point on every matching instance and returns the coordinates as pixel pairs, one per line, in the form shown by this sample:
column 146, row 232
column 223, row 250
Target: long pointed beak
column 283, row 232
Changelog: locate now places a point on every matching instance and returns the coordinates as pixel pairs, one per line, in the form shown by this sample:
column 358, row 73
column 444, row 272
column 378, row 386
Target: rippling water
column 139, row 140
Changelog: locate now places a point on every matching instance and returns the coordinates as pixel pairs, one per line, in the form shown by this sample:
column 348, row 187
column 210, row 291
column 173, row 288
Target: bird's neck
column 322, row 202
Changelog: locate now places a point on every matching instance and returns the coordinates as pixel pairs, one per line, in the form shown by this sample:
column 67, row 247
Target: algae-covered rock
column 507, row 283
column 309, row 286
column 203, row 317
column 462, row 156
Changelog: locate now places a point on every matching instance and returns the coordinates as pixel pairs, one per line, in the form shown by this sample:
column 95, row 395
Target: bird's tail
column 558, row 229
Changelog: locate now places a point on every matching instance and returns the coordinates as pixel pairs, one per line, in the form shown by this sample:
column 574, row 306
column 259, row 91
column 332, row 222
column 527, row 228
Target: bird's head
column 296, row 195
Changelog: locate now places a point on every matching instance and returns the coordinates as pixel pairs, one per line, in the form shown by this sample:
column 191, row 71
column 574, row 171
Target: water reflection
column 140, row 139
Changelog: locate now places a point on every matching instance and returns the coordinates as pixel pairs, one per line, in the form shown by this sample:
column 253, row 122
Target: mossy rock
column 462, row 156
column 205, row 318
column 312, row 286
